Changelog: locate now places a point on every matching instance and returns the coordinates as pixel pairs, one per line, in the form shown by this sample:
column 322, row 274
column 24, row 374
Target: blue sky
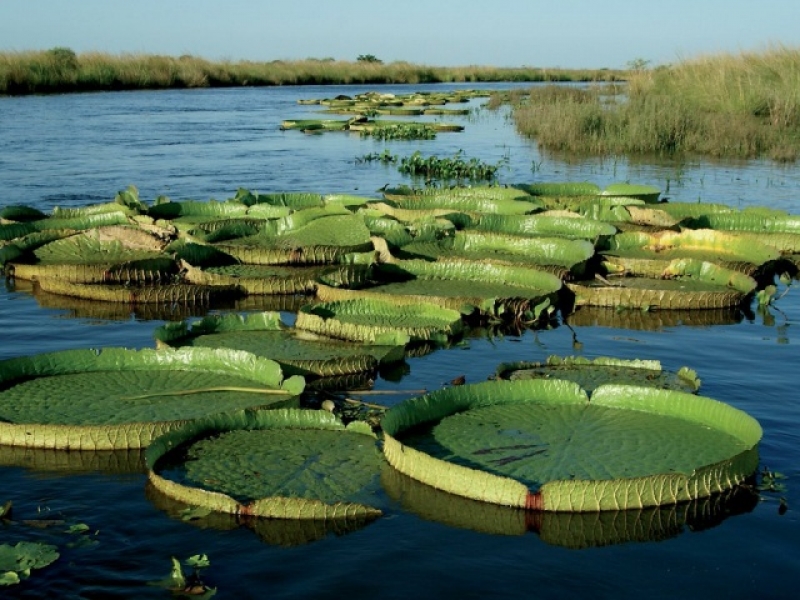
column 503, row 33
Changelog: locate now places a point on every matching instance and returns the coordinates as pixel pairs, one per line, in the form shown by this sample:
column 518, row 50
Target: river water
column 72, row 150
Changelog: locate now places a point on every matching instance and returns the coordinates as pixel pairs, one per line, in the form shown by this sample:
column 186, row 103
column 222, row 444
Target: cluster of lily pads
column 365, row 110
column 228, row 406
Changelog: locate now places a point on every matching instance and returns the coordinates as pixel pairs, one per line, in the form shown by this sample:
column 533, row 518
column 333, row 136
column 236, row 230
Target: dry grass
column 742, row 106
column 62, row 70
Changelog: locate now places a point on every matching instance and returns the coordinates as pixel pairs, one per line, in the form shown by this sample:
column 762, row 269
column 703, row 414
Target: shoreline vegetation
column 61, row 70
column 733, row 106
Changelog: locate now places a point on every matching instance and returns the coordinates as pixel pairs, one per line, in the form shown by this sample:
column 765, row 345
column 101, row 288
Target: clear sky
column 502, row 33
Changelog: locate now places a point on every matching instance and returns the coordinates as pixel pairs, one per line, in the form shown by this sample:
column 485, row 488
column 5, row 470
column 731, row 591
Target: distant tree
column 369, row 58
column 64, row 58
column 638, row 64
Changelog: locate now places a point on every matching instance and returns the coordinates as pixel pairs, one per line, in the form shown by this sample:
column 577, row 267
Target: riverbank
column 60, row 70
column 725, row 106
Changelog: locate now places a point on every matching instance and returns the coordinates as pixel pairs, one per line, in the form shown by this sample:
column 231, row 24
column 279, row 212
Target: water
column 200, row 144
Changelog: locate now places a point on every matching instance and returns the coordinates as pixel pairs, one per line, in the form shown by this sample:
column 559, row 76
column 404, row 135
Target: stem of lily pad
column 367, row 404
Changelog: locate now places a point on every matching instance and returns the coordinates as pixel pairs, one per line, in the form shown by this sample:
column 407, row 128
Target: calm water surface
column 78, row 149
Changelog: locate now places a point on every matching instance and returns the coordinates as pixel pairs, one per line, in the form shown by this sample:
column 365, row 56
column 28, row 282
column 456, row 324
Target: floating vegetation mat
column 116, row 398
column 288, row 464
column 543, row 444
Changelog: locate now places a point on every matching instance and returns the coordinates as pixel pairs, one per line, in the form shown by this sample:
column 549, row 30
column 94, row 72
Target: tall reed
column 736, row 106
column 62, row 70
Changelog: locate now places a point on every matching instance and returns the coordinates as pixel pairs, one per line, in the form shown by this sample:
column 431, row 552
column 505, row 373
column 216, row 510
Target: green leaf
column 198, row 561
column 175, row 580
column 24, row 556
column 78, row 528
column 9, row 578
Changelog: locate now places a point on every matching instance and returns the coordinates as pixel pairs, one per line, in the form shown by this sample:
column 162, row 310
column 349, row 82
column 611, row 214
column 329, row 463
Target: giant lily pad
column 648, row 193
column 380, row 321
column 311, row 236
column 684, row 284
column 258, row 279
column 298, row 352
column 484, row 200
column 591, row 373
column 543, row 252
column 287, row 464
column 461, row 285
column 572, row 226
column 543, row 444
column 116, row 398
column 641, row 253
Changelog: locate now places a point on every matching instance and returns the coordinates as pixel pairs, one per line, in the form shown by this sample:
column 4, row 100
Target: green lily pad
column 290, row 464
column 542, row 444
column 380, row 321
column 684, row 284
column 461, row 285
column 117, row 398
column 591, row 373
column 297, row 352
column 648, row 193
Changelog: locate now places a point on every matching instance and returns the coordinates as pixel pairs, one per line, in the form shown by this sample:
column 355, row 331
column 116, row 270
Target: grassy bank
column 733, row 106
column 62, row 70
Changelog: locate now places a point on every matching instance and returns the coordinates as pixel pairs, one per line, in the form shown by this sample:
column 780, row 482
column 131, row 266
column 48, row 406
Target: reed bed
column 727, row 106
column 62, row 70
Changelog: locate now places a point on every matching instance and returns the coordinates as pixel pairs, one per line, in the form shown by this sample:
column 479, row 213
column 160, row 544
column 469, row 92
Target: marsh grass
column 735, row 106
column 62, row 70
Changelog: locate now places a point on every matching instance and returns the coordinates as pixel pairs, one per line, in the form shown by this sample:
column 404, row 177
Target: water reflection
column 571, row 530
column 592, row 316
column 46, row 461
column 277, row 532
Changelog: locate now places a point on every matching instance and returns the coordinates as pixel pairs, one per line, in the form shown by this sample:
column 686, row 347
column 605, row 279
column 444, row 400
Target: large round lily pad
column 118, row 398
column 298, row 352
column 684, row 284
column 461, row 285
column 543, row 444
column 291, row 464
column 591, row 373
column 378, row 321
